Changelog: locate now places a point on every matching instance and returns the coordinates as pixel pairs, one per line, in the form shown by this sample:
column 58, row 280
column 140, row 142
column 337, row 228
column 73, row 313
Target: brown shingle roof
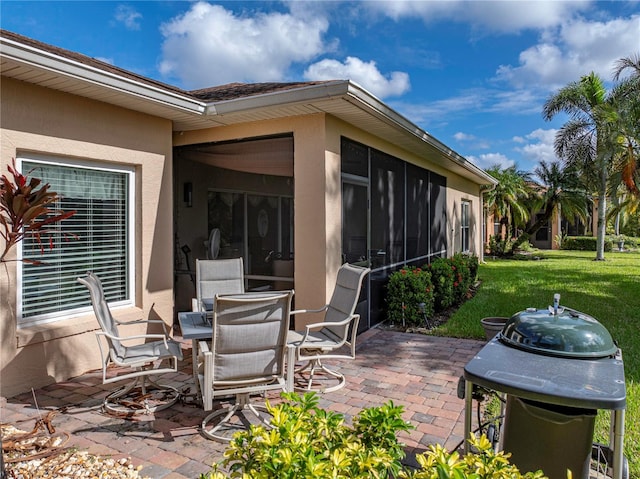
column 230, row 91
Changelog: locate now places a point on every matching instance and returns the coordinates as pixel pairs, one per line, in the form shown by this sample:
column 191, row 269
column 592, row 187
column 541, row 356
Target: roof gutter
column 357, row 95
column 38, row 58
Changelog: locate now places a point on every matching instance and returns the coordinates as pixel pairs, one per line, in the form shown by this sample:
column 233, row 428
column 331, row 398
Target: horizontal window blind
column 95, row 239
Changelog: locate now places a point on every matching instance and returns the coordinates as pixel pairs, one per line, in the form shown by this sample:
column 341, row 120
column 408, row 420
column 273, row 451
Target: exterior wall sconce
column 188, row 194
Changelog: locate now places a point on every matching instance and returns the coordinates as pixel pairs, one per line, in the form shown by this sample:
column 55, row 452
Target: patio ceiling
column 51, row 67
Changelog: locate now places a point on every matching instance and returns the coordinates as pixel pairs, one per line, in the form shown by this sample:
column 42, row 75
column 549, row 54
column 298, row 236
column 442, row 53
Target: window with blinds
column 97, row 238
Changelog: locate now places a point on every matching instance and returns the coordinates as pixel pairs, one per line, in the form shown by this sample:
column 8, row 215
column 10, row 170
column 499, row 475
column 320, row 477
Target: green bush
column 307, row 441
column 442, row 278
column 584, row 243
column 498, row 246
column 437, row 463
column 461, row 277
column 410, row 296
column 474, row 264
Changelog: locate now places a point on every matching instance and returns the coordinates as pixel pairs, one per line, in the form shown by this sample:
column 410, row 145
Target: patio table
column 197, row 326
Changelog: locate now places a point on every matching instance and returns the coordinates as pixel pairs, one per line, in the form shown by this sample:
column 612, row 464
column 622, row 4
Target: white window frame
column 96, row 165
column 465, row 204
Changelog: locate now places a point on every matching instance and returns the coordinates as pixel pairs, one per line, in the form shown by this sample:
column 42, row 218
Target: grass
column 607, row 290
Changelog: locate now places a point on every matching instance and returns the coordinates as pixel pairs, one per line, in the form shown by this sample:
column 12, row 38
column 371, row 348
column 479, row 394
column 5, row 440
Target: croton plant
column 26, row 210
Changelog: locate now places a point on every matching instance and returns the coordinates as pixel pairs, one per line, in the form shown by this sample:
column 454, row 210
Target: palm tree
column 561, row 191
column 507, row 201
column 627, row 97
column 584, row 141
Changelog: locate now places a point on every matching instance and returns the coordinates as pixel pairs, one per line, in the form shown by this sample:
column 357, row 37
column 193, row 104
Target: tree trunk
column 602, row 214
column 533, row 229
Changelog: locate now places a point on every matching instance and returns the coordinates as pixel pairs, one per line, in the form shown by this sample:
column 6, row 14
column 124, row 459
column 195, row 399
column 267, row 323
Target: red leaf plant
column 25, row 210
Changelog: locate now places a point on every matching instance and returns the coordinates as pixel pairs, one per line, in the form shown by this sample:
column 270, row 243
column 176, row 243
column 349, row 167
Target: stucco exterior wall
column 39, row 120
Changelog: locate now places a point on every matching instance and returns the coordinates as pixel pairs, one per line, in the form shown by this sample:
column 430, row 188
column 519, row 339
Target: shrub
column 499, row 246
column 474, row 264
column 437, row 463
column 584, row 243
column 442, row 279
column 410, row 296
column 461, row 277
column 307, row 441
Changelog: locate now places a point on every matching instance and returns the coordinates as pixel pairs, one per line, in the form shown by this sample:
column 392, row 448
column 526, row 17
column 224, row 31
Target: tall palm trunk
column 602, row 213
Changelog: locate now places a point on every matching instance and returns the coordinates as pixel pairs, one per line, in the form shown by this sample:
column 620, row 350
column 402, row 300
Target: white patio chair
column 219, row 276
column 145, row 359
column 247, row 356
column 333, row 338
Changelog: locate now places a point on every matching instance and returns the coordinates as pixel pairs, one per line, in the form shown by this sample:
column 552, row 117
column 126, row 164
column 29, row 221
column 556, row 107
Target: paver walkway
column 416, row 371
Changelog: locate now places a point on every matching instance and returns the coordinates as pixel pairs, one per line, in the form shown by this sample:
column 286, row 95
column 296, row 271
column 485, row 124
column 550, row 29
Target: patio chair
column 335, row 334
column 144, row 359
column 247, row 356
column 217, row 276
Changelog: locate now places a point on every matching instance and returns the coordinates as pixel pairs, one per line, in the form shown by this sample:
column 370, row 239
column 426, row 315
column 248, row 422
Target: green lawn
column 607, row 290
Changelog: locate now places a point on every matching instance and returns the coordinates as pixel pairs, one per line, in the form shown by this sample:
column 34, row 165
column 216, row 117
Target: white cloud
column 128, row 16
column 495, row 16
column 209, row 45
column 538, row 146
column 576, row 49
column 490, row 159
column 363, row 73
column 460, row 136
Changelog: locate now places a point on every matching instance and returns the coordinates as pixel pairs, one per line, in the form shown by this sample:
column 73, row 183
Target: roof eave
column 37, row 58
column 355, row 94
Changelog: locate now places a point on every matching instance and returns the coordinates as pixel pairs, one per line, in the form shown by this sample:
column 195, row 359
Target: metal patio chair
column 144, row 359
column 217, row 276
column 333, row 338
column 246, row 356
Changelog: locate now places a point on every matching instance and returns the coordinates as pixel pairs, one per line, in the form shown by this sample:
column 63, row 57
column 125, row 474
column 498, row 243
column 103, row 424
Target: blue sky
column 473, row 74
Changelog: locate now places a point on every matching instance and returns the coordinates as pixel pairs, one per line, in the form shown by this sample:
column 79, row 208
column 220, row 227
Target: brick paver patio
column 417, row 371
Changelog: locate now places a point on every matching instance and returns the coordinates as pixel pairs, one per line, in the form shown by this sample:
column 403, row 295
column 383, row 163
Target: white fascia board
column 357, row 95
column 64, row 66
column 321, row 91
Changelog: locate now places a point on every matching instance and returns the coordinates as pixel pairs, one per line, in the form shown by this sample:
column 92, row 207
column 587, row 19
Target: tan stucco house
column 296, row 178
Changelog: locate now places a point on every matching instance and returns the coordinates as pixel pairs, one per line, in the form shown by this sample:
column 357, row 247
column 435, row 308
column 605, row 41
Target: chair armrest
column 195, row 305
column 136, row 336
column 136, row 322
column 323, row 324
column 319, row 310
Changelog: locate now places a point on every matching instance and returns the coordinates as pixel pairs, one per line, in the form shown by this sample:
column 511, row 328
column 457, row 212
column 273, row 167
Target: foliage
column 507, row 200
column 606, row 290
column 25, row 210
column 461, row 277
column 309, row 442
column 584, row 243
column 499, row 246
column 410, row 296
column 442, row 277
column 437, row 463
column 561, row 190
column 473, row 263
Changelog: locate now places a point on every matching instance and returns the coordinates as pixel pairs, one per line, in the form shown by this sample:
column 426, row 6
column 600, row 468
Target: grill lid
column 568, row 333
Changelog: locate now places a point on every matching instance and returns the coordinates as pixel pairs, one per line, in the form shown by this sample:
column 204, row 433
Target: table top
column 194, row 325
column 585, row 383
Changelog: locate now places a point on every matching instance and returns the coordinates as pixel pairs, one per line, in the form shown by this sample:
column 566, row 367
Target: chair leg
column 242, row 404
column 142, row 395
column 315, row 365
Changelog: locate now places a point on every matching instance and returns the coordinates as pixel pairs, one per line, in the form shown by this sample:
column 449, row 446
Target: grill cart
column 556, row 367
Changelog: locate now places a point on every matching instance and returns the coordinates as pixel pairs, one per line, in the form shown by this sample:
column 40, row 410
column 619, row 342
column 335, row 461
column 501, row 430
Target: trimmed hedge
column 584, row 243
column 414, row 294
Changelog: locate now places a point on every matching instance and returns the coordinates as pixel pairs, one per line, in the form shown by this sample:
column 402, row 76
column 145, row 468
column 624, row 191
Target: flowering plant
column 442, row 275
column 25, row 210
column 410, row 296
